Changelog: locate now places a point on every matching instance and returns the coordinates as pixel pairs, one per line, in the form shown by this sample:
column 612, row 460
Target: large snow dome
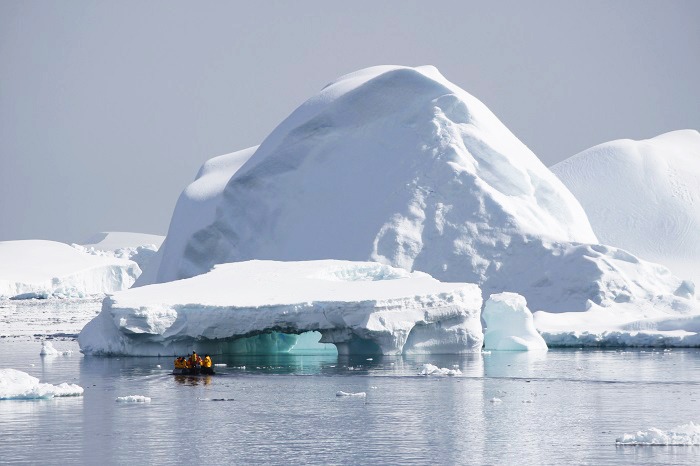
column 245, row 307
column 391, row 164
column 643, row 196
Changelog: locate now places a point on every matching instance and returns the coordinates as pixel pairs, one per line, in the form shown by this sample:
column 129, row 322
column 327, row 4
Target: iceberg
column 399, row 166
column 452, row 191
column 18, row 385
column 43, row 269
column 260, row 307
column 509, row 324
column 643, row 196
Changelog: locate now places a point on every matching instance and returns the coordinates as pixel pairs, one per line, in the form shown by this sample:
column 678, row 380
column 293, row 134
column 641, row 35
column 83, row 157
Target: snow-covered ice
column 18, row 385
column 361, row 307
column 509, row 324
column 643, row 196
column 133, row 399
column 686, row 434
column 44, row 269
column 430, row 369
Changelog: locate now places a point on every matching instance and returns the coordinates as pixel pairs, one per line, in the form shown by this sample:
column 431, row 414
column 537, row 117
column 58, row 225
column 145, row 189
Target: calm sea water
column 560, row 407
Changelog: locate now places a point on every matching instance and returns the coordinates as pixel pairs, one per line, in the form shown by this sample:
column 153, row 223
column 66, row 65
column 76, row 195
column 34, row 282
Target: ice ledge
column 361, row 307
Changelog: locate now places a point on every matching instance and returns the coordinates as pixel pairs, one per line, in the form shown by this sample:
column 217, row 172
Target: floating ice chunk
column 359, row 394
column 47, row 349
column 158, row 366
column 686, row 434
column 18, row 385
column 220, row 365
column 509, row 324
column 133, row 399
column 430, row 369
column 496, row 400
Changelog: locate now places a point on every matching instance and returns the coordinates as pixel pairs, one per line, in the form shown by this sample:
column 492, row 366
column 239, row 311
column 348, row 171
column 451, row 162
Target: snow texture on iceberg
column 18, row 385
column 509, row 324
column 43, row 269
column 359, row 307
column 643, row 196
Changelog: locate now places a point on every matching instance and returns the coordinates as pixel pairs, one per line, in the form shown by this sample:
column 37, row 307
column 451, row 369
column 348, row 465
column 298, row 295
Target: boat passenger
column 206, row 365
column 195, row 361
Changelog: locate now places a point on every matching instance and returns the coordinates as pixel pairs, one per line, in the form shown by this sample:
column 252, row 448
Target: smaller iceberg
column 259, row 307
column 47, row 349
column 687, row 434
column 18, row 385
column 510, row 325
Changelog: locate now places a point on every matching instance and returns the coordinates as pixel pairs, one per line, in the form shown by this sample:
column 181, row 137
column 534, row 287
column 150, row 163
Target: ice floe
column 430, row 369
column 686, row 434
column 133, row 399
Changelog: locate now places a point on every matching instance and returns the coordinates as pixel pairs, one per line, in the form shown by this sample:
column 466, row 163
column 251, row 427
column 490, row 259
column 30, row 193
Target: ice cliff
column 249, row 306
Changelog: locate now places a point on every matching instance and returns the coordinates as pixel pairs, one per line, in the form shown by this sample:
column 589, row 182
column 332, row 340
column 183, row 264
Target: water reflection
column 193, row 380
column 556, row 407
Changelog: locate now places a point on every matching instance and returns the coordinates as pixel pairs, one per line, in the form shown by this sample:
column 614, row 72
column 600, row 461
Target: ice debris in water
column 686, row 434
column 47, row 349
column 429, row 369
column 18, row 385
column 496, row 400
column 219, row 365
column 133, row 399
column 342, row 393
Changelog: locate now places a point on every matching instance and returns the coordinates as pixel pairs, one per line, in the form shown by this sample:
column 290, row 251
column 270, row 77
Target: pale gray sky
column 107, row 109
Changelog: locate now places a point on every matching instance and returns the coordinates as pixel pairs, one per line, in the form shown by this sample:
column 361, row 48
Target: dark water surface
column 560, row 407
